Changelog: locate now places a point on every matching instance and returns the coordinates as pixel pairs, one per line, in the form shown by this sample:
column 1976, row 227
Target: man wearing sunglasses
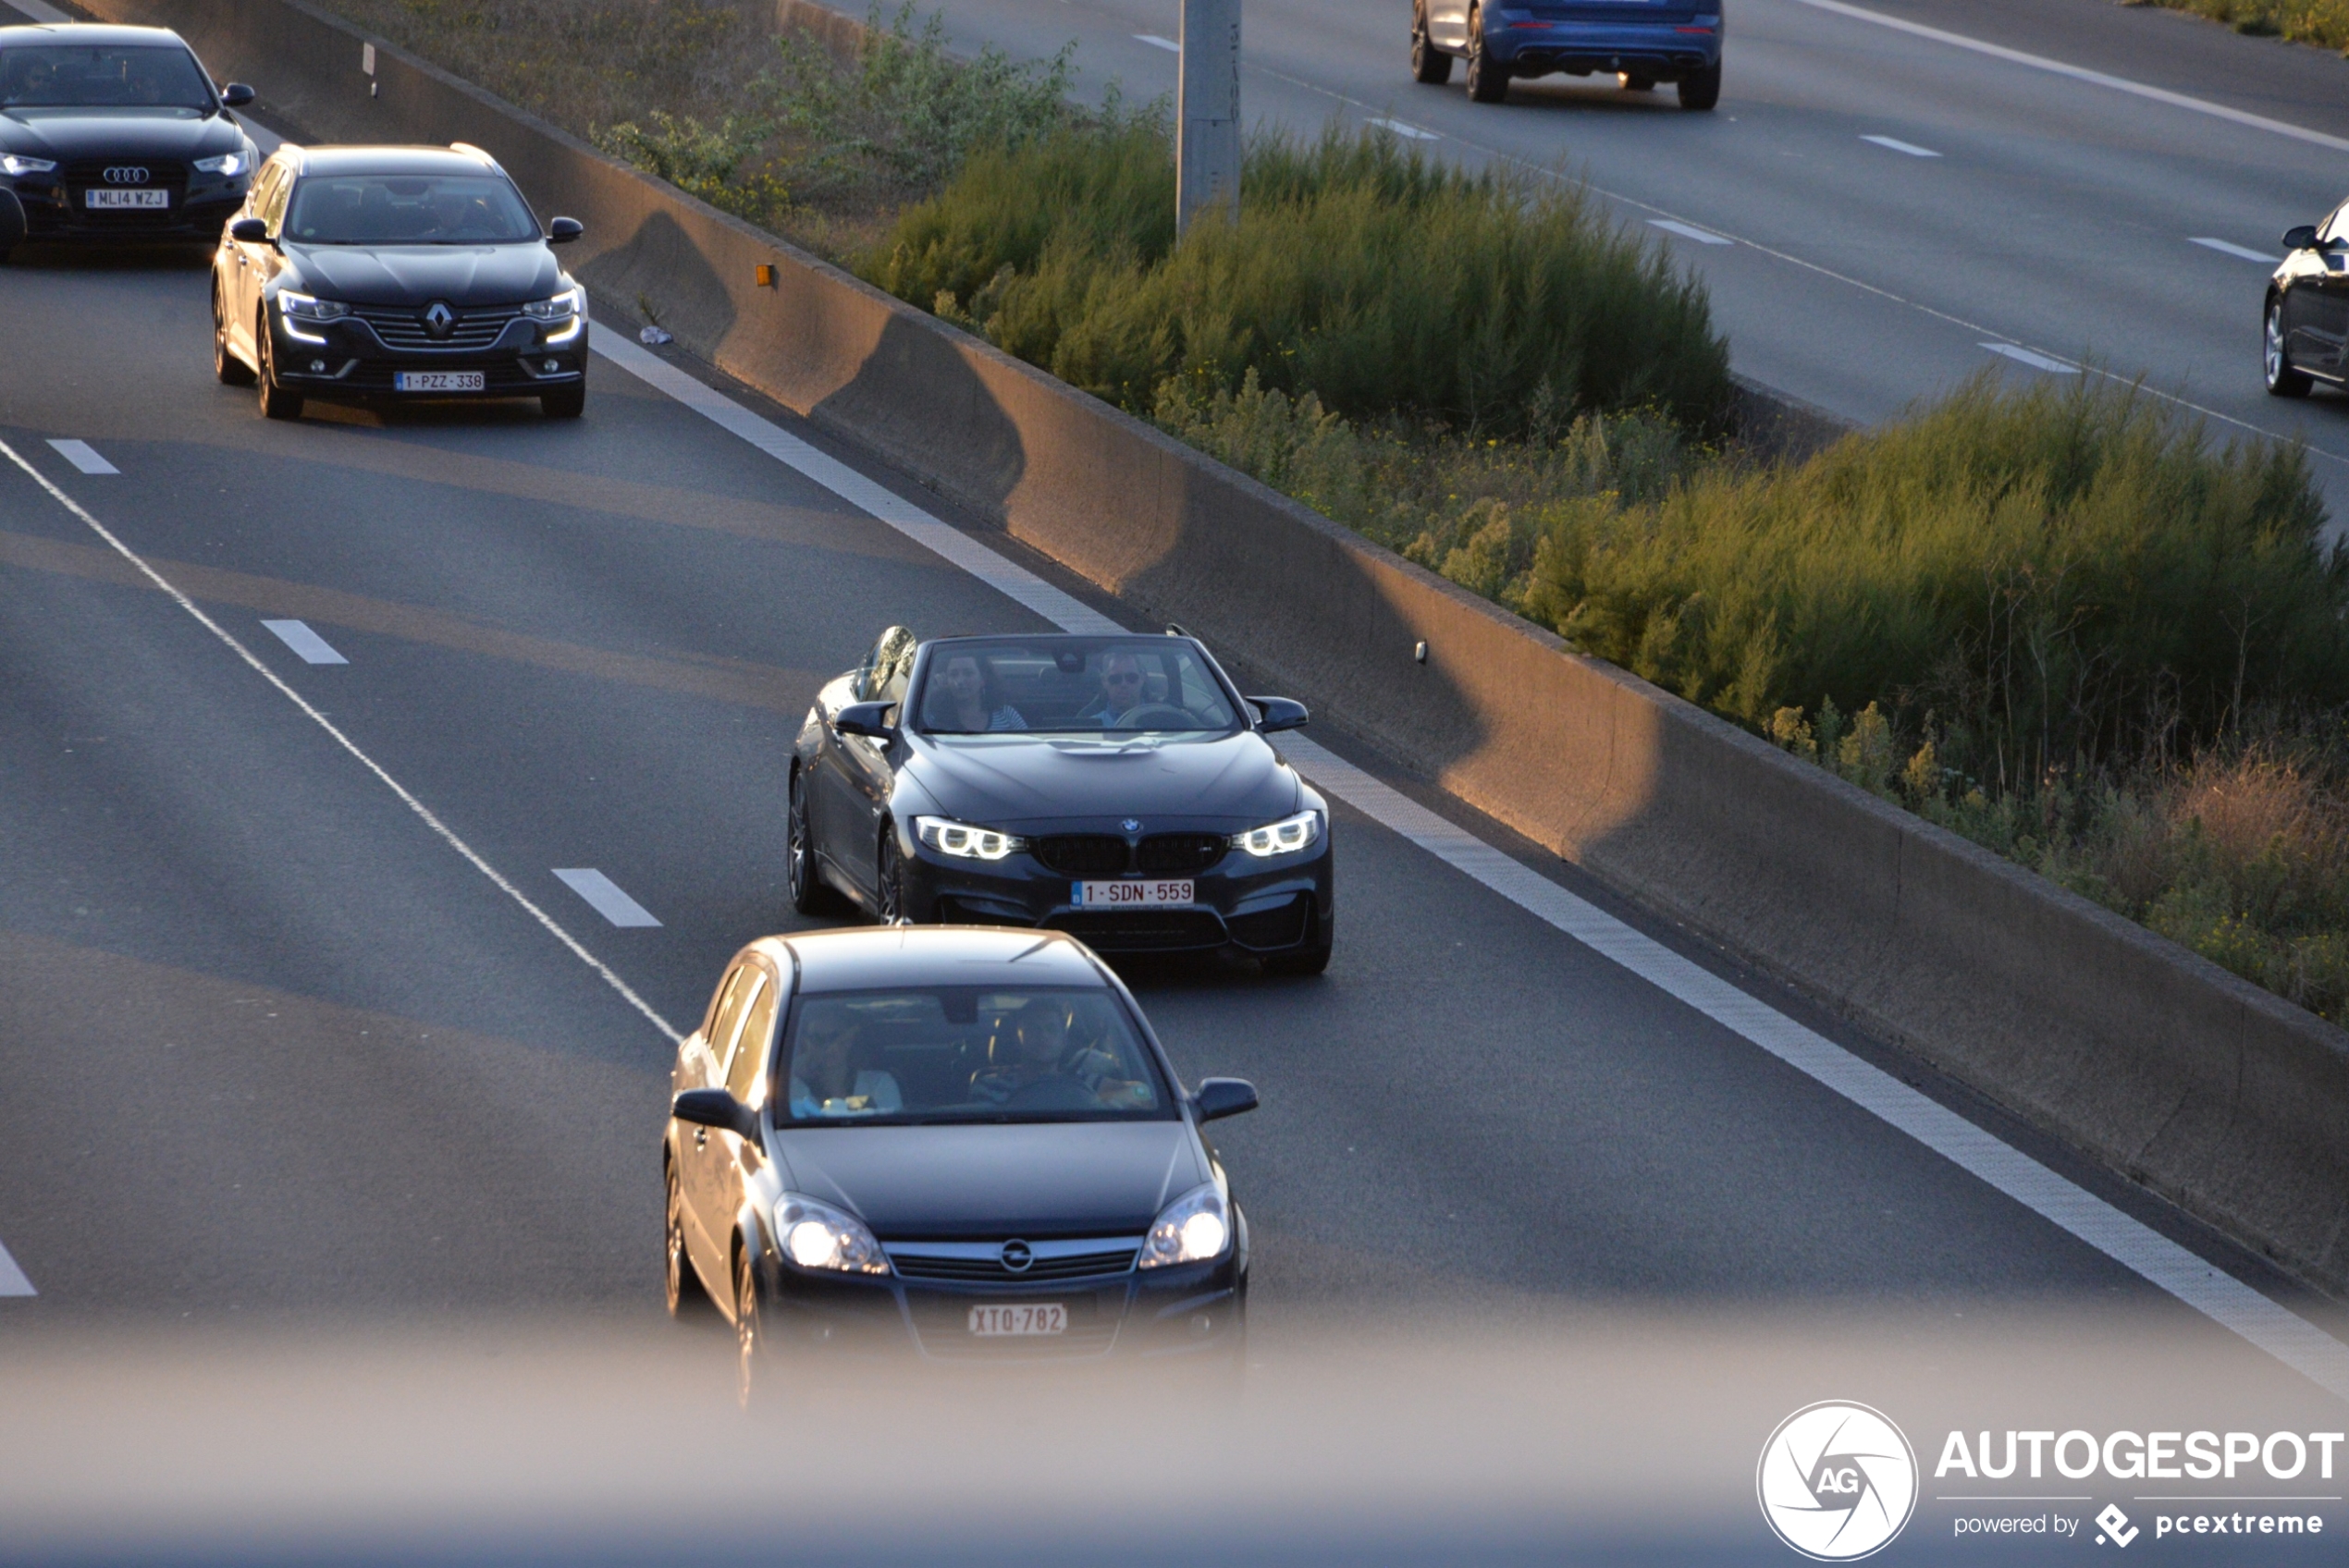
column 1121, row 690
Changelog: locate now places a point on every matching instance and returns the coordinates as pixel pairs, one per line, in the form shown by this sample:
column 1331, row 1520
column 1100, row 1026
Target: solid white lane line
column 605, row 895
column 1155, row 41
column 2081, row 73
column 1689, row 231
column 312, row 648
column 79, row 455
column 12, row 1280
column 1410, row 133
column 425, row 812
column 2228, row 248
column 1897, row 145
column 2135, row 1247
column 2036, row 360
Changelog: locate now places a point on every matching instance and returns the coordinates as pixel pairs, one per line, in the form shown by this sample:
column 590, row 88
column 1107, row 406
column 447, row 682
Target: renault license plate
column 995, row 1322
column 1128, row 895
column 126, row 198
column 439, row 381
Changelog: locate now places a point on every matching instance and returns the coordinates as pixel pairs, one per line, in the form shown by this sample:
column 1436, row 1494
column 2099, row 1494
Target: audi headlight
column 816, row 1235
column 14, row 164
column 228, row 166
column 1284, row 837
column 562, row 316
column 965, row 841
column 1193, row 1229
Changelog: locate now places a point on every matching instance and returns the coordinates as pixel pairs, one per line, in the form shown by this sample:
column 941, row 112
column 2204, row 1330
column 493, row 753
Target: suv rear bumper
column 1659, row 51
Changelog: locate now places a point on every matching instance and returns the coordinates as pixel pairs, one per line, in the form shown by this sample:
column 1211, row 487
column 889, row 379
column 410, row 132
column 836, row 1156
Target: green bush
column 1376, row 279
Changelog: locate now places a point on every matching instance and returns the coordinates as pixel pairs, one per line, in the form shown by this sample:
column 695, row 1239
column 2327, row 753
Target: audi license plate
column 439, row 381
column 126, row 198
column 994, row 1322
column 1116, row 895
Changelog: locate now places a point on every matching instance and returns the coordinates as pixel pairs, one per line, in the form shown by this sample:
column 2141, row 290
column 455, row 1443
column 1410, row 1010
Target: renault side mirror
column 1219, row 1097
column 1278, row 712
column 713, row 1107
column 562, row 231
column 235, row 96
column 249, row 231
column 2301, row 238
column 868, row 719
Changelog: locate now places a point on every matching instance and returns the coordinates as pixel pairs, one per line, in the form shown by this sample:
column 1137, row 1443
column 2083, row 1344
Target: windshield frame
column 305, row 176
column 210, row 106
column 917, row 689
column 778, row 1116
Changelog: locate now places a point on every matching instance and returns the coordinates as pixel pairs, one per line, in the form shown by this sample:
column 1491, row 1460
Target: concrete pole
column 1207, row 137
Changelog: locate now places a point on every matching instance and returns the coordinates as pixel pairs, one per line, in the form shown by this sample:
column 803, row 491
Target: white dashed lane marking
column 298, row 636
column 1897, row 145
column 12, row 1280
column 2023, row 356
column 605, row 895
column 79, row 455
column 2228, row 248
column 1155, row 41
column 1689, row 231
column 1410, row 132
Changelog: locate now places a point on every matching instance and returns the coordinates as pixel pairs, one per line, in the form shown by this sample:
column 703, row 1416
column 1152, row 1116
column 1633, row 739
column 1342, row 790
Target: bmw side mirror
column 2301, row 238
column 235, row 96
column 869, row 719
column 1278, row 712
column 716, row 1108
column 1219, row 1097
column 562, row 231
column 249, row 231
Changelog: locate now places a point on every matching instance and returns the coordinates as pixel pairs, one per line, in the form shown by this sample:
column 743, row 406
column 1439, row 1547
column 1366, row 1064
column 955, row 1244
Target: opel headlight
column 965, row 841
column 816, row 1235
column 1284, row 837
column 14, row 164
column 228, row 166
column 1193, row 1229
column 562, row 316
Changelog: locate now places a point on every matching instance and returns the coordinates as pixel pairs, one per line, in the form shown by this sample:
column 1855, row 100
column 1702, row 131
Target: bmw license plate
column 126, row 198
column 1118, row 894
column 439, row 381
column 995, row 1322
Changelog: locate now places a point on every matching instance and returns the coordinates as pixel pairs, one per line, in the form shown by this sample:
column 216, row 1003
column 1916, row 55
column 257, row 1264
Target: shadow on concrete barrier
column 2222, row 1097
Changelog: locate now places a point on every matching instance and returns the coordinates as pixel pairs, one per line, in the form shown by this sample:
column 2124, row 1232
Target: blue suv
column 1641, row 42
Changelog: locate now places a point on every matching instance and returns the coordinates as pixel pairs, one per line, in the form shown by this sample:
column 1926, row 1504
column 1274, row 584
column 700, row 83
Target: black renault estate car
column 114, row 135
column 365, row 274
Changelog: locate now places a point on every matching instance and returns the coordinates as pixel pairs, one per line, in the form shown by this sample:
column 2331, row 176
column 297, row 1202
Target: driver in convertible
column 1044, row 1073
column 1120, row 691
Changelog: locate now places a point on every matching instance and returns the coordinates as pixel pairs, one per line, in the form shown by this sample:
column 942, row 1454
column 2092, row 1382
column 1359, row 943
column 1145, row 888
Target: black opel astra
column 390, row 274
column 113, row 135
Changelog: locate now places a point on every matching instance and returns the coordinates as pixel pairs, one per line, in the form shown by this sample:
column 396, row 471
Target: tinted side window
column 725, row 1015
column 273, row 214
column 758, row 1032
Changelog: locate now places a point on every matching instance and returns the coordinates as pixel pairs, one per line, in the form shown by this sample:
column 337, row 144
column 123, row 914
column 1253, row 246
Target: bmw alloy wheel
column 890, row 876
column 2282, row 380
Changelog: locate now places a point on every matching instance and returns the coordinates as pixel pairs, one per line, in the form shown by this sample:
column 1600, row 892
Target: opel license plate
column 1125, row 895
column 994, row 1322
column 126, row 198
column 439, row 381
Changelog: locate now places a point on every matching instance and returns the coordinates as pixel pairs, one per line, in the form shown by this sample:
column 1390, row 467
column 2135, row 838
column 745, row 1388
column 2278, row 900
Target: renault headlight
column 229, row 165
column 816, row 1235
column 1193, row 1229
column 562, row 316
column 1284, row 837
column 963, row 841
column 12, row 163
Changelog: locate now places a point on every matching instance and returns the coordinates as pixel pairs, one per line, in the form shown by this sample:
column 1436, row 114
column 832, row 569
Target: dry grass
column 2322, row 22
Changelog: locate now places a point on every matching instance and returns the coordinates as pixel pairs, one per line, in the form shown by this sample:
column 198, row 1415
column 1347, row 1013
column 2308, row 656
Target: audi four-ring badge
column 949, row 1143
column 115, row 135
column 1117, row 788
column 391, row 275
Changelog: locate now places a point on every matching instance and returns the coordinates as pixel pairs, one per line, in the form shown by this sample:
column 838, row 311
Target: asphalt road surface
column 1877, row 214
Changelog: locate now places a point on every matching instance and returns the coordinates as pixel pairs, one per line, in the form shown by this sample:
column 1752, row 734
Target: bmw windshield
column 101, row 76
column 1060, row 685
column 408, row 209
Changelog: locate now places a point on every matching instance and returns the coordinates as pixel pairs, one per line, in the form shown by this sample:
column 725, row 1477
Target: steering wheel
column 1142, row 714
column 1054, row 1093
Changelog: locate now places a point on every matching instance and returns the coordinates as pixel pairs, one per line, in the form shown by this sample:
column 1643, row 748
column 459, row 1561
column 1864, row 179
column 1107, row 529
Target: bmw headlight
column 965, row 841
column 562, row 316
column 229, row 165
column 13, row 164
column 816, row 1235
column 1193, row 1229
column 1284, row 837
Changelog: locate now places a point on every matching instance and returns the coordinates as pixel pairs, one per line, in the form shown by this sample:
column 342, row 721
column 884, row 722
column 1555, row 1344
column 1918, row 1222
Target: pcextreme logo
column 1836, row 1481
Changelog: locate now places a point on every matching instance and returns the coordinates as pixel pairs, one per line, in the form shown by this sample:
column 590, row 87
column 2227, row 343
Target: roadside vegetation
column 2322, row 22
column 2062, row 622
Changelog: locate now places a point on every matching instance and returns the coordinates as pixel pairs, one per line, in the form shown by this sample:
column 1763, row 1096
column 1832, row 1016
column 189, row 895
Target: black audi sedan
column 113, row 135
column 965, row 1144
column 1117, row 788
column 392, row 273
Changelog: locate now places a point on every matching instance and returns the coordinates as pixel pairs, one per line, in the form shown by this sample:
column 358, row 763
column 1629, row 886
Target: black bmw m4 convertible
column 1116, row 788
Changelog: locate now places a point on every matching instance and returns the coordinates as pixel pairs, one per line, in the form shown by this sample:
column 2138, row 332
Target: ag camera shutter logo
column 1838, row 1481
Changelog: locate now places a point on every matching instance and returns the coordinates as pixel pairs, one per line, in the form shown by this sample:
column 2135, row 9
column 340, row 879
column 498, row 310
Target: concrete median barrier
column 2209, row 1090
